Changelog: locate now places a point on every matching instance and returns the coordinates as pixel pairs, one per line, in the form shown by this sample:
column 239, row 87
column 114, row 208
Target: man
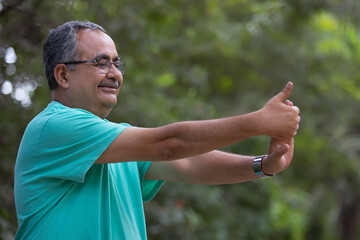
column 79, row 176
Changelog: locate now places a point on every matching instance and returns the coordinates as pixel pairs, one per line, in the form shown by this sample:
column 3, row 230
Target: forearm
column 179, row 140
column 275, row 119
column 211, row 168
column 183, row 139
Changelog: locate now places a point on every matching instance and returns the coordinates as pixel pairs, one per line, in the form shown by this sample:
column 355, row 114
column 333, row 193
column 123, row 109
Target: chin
column 109, row 105
column 109, row 101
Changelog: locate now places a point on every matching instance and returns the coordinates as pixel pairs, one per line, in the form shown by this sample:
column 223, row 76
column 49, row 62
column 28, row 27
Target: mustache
column 109, row 83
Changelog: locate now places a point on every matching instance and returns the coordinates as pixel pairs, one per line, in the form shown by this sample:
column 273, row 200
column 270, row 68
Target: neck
column 56, row 96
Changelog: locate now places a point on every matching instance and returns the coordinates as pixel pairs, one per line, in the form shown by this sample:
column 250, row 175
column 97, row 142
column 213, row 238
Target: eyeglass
column 103, row 65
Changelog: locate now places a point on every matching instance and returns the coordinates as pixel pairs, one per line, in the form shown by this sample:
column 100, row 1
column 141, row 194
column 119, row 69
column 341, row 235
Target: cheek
column 121, row 81
column 84, row 87
column 120, row 84
column 91, row 83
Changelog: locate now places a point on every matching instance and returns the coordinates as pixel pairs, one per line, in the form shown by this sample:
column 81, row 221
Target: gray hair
column 61, row 46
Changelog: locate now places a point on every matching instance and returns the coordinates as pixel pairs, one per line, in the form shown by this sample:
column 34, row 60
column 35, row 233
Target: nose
column 114, row 73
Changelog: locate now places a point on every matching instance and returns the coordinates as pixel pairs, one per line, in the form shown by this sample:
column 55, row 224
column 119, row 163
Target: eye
column 103, row 64
column 117, row 64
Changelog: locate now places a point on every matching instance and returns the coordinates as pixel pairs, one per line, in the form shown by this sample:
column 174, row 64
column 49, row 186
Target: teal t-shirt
column 61, row 194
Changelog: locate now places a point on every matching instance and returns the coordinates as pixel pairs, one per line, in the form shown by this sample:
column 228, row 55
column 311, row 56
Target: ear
column 61, row 75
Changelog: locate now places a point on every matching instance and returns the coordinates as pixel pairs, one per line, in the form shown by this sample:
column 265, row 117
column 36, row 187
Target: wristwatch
column 257, row 167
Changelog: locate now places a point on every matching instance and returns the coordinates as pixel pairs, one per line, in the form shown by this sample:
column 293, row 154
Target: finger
column 297, row 128
column 288, row 140
column 289, row 103
column 281, row 150
column 296, row 109
column 285, row 93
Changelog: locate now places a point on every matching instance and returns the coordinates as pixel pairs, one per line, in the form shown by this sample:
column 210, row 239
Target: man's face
column 88, row 89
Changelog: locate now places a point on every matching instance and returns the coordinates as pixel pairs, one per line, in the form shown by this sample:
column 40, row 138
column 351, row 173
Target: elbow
column 169, row 150
column 170, row 143
column 165, row 154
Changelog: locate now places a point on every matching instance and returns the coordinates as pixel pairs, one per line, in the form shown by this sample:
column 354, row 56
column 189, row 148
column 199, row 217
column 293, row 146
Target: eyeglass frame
column 121, row 63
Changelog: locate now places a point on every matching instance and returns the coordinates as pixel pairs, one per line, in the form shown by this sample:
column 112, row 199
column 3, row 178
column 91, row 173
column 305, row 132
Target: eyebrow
column 105, row 56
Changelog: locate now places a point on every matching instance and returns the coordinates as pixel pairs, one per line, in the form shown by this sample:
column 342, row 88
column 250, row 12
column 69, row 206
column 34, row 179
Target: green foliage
column 204, row 59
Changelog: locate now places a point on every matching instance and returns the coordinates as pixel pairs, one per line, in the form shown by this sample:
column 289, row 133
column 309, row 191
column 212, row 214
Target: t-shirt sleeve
column 149, row 188
column 72, row 142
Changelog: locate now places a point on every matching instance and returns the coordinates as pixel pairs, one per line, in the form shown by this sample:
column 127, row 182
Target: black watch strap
column 257, row 167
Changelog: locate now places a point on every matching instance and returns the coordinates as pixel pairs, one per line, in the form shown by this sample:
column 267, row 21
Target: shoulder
column 60, row 116
column 55, row 111
column 59, row 119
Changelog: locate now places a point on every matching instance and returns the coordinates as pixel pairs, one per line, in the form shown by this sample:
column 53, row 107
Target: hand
column 279, row 156
column 280, row 153
column 278, row 119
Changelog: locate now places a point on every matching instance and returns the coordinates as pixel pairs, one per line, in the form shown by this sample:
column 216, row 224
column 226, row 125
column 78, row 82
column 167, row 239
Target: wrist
column 256, row 124
column 258, row 167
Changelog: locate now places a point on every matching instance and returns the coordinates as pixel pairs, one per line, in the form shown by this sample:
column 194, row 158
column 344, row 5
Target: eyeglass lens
column 105, row 66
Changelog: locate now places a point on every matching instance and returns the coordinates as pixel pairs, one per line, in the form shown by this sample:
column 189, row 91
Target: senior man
column 80, row 176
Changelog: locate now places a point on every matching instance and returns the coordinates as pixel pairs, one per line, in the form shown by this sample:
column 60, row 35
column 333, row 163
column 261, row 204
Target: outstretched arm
column 186, row 139
column 218, row 167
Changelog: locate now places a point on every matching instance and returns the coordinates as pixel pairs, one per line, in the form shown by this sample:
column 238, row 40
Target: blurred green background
column 203, row 59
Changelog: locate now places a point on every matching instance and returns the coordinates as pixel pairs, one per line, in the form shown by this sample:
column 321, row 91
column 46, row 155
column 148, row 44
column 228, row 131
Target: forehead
column 92, row 43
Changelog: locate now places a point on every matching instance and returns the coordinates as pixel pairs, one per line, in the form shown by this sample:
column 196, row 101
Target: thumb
column 285, row 93
column 281, row 150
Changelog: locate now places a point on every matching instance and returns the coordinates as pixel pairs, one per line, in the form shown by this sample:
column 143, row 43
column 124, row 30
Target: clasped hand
column 279, row 118
column 287, row 119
